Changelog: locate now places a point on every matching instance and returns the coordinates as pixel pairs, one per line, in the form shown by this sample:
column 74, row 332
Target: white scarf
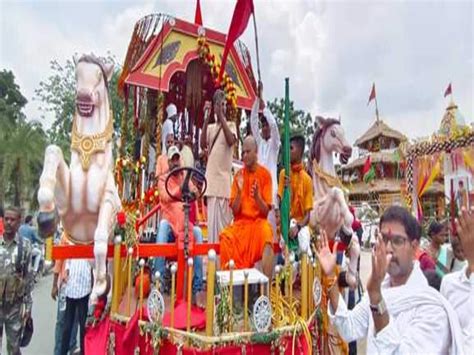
column 415, row 293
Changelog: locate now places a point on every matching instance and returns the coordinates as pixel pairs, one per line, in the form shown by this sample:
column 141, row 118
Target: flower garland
column 98, row 312
column 214, row 64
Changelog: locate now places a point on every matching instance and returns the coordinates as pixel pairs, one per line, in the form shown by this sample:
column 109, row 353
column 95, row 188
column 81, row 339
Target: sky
column 332, row 51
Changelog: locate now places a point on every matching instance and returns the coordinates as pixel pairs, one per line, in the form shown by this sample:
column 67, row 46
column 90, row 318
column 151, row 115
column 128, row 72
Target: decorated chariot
column 109, row 209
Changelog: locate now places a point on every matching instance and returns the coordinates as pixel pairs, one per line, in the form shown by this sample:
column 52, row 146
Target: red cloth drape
column 243, row 10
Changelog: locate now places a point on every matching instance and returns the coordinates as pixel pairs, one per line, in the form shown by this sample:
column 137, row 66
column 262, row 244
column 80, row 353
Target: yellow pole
column 211, row 270
column 287, row 262
column 142, row 264
column 246, row 299
column 231, row 293
column 174, row 268
column 304, row 285
column 310, row 286
column 48, row 252
column 292, row 260
column 277, row 291
column 129, row 287
column 157, row 280
column 116, row 279
column 190, row 279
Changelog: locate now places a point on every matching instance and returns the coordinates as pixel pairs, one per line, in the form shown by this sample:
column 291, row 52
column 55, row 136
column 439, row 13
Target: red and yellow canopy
column 174, row 47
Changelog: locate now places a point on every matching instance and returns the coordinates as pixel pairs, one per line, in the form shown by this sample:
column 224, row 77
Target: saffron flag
column 372, row 94
column 240, row 19
column 198, row 15
column 448, row 91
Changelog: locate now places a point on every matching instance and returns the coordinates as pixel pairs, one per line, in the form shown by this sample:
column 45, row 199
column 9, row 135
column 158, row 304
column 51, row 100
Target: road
column 44, row 314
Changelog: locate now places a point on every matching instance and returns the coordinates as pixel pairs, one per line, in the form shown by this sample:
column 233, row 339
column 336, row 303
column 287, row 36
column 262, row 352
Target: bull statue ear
column 108, row 70
column 75, row 58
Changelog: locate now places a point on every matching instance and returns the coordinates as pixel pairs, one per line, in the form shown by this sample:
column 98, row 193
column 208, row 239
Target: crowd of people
column 402, row 310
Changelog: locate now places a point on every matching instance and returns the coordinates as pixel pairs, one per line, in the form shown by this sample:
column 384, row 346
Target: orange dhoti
column 244, row 241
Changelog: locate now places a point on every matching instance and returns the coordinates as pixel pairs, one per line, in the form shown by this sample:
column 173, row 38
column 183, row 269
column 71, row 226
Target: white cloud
column 331, row 50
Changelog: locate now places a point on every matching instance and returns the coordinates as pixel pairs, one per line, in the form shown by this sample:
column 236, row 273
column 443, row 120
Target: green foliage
column 22, row 144
column 299, row 120
column 11, row 99
column 57, row 95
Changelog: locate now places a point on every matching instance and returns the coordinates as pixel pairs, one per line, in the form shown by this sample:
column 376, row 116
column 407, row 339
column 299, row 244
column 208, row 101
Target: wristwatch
column 379, row 308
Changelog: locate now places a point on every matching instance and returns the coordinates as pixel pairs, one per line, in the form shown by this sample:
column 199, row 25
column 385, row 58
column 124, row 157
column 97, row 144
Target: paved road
column 44, row 314
column 44, row 318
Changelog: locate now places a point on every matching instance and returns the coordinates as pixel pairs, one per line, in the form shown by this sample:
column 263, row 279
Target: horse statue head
column 329, row 137
column 92, row 93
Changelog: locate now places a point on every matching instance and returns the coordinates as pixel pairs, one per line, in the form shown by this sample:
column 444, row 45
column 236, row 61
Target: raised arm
column 274, row 132
column 254, row 121
column 203, row 140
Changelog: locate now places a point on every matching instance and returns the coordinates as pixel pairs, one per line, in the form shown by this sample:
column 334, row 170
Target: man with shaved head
column 249, row 238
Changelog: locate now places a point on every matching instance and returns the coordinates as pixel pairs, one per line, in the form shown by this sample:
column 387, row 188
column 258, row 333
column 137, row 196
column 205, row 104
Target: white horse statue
column 330, row 209
column 84, row 195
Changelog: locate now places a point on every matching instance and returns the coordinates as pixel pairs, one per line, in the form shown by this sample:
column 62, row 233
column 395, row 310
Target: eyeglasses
column 396, row 240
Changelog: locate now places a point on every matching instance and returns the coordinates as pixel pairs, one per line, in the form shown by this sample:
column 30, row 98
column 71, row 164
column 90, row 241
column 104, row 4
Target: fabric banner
column 97, row 338
column 428, row 169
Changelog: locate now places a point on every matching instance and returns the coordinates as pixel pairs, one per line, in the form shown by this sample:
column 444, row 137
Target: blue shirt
column 28, row 232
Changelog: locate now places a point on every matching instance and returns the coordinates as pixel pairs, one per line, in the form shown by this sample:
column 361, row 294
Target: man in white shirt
column 268, row 142
column 400, row 314
column 168, row 125
column 458, row 287
column 78, row 282
column 218, row 141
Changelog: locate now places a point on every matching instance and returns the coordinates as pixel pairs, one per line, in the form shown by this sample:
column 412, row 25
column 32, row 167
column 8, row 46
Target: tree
column 11, row 99
column 22, row 145
column 299, row 120
column 58, row 96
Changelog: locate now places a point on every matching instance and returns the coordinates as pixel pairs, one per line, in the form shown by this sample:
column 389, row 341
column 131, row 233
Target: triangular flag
column 198, row 15
column 243, row 10
column 448, row 91
column 372, row 94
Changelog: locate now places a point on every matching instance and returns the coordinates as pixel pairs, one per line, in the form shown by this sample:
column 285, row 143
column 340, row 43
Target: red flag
column 448, row 91
column 367, row 165
column 372, row 94
column 243, row 10
column 198, row 15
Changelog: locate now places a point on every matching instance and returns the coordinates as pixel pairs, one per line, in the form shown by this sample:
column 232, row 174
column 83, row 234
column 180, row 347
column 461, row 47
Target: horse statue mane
column 84, row 193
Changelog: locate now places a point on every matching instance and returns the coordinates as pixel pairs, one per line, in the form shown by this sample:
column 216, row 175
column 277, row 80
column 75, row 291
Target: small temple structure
column 380, row 146
column 381, row 143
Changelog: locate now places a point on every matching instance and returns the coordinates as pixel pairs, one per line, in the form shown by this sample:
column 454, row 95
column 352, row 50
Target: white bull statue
column 84, row 194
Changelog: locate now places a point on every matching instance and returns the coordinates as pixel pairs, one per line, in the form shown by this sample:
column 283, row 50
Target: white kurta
column 459, row 291
column 267, row 149
column 166, row 129
column 421, row 320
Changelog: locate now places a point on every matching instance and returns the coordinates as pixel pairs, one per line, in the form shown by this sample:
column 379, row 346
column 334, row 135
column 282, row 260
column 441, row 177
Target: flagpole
column 376, row 108
column 256, row 45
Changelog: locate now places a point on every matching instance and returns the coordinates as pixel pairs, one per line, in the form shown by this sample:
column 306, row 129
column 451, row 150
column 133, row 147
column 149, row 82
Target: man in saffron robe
column 301, row 192
column 249, row 238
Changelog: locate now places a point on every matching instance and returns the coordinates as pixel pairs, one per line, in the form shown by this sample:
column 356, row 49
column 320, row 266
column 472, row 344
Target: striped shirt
column 79, row 280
